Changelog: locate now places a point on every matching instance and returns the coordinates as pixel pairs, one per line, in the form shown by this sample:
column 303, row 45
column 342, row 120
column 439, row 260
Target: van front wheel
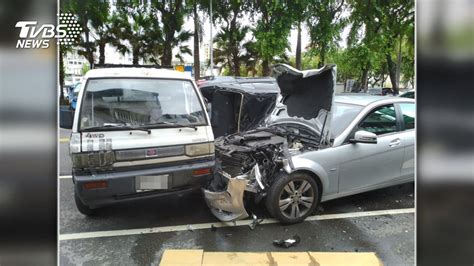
column 82, row 208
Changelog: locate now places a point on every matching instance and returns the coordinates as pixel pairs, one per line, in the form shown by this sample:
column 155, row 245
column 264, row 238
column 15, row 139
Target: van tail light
column 204, row 171
column 95, row 185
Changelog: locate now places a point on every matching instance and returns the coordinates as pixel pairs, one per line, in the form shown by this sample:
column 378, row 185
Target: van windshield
column 139, row 102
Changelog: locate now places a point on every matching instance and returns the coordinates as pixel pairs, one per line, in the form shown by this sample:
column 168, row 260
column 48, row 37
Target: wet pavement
column 391, row 236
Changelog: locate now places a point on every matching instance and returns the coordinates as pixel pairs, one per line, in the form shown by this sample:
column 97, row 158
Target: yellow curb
column 199, row 257
column 63, row 140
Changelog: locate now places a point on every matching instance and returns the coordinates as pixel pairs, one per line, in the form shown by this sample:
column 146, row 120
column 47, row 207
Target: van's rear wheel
column 82, row 208
column 293, row 197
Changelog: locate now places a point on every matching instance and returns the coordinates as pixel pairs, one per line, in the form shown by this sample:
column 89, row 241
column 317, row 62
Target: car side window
column 380, row 121
column 408, row 113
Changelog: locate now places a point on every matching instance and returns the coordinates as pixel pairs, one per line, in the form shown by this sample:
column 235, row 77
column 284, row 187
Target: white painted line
column 176, row 228
column 65, row 176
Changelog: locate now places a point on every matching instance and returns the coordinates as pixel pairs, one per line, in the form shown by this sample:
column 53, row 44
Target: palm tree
column 137, row 27
column 172, row 18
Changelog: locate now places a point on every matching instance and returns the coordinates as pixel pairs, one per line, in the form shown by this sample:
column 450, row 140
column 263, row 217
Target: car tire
column 299, row 193
column 82, row 208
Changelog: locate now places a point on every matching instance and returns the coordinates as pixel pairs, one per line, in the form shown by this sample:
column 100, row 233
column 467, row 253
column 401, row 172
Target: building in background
column 73, row 65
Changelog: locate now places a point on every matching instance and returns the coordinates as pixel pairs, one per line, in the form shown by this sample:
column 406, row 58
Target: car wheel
column 291, row 198
column 82, row 208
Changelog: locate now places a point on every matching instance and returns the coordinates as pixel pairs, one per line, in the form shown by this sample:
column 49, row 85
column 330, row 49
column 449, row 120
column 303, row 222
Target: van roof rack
column 95, row 66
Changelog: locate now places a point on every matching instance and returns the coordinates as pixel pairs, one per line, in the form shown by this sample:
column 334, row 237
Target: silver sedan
column 371, row 147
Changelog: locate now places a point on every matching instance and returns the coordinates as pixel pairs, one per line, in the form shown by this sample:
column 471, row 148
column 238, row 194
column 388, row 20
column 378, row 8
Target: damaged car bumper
column 228, row 205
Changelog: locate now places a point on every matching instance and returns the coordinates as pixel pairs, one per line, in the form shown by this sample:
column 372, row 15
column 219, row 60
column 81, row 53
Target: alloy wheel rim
column 296, row 198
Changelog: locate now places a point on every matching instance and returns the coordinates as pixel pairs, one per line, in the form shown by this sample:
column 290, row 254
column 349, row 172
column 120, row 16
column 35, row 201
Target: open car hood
column 239, row 107
column 307, row 97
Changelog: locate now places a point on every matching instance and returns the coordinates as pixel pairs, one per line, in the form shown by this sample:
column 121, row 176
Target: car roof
column 362, row 98
column 139, row 72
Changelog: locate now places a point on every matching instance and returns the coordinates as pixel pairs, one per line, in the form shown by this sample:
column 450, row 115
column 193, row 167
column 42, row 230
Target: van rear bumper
column 121, row 185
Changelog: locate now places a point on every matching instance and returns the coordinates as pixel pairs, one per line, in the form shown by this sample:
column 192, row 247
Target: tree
column 325, row 24
column 230, row 39
column 229, row 48
column 172, row 14
column 300, row 12
column 136, row 25
column 397, row 19
column 84, row 11
column 272, row 30
column 63, row 50
column 378, row 26
column 198, row 34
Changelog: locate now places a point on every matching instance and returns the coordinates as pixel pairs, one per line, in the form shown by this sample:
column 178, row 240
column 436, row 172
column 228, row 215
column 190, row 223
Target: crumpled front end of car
column 247, row 164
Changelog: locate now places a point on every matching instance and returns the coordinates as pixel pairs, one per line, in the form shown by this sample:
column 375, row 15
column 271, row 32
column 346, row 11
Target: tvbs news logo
column 34, row 36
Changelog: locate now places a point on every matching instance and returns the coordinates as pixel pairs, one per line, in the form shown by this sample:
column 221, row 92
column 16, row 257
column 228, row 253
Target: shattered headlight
column 200, row 149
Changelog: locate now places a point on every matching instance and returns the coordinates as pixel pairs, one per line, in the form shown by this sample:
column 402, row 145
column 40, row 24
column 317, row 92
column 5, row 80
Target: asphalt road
column 127, row 233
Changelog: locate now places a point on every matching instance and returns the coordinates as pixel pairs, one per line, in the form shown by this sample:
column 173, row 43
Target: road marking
column 63, row 140
column 176, row 228
column 65, row 176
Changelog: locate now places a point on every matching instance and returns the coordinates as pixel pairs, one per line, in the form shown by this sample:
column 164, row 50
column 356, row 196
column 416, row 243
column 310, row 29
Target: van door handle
column 394, row 143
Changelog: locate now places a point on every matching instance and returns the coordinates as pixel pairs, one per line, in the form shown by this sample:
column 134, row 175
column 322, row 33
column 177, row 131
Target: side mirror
column 363, row 136
column 66, row 117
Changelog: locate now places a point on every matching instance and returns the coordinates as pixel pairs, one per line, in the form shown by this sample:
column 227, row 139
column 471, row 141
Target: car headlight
column 75, row 143
column 200, row 149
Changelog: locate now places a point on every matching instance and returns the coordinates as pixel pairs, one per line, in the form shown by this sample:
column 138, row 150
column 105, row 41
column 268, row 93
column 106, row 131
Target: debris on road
column 190, row 229
column 255, row 222
column 286, row 243
column 213, row 228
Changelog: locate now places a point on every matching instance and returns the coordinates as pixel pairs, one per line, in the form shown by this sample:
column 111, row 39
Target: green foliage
column 136, row 25
column 325, row 23
column 272, row 30
column 172, row 13
column 85, row 68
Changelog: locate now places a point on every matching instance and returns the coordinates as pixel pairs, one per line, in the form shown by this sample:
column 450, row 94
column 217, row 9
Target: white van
column 138, row 132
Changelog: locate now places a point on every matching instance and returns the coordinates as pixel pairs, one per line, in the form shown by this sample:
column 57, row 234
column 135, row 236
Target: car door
column 407, row 136
column 367, row 164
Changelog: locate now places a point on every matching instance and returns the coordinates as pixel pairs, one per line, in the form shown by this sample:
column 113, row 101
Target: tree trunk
column 298, row 47
column 322, row 57
column 265, row 68
column 197, row 65
column 102, row 53
column 392, row 73
column 135, row 56
column 90, row 53
column 167, row 54
column 365, row 78
column 399, row 62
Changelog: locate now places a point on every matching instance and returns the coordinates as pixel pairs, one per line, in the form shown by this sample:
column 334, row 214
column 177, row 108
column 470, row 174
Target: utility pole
column 211, row 42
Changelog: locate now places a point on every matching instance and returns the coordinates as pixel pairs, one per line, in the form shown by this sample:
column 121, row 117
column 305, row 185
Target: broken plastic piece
column 255, row 222
column 286, row 243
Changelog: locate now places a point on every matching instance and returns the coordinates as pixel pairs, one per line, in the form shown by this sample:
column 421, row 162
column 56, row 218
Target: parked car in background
column 380, row 91
column 313, row 147
column 74, row 92
column 408, row 94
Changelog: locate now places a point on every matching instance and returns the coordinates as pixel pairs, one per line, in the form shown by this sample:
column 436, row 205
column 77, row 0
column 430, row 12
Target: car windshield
column 140, row 102
column 342, row 115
